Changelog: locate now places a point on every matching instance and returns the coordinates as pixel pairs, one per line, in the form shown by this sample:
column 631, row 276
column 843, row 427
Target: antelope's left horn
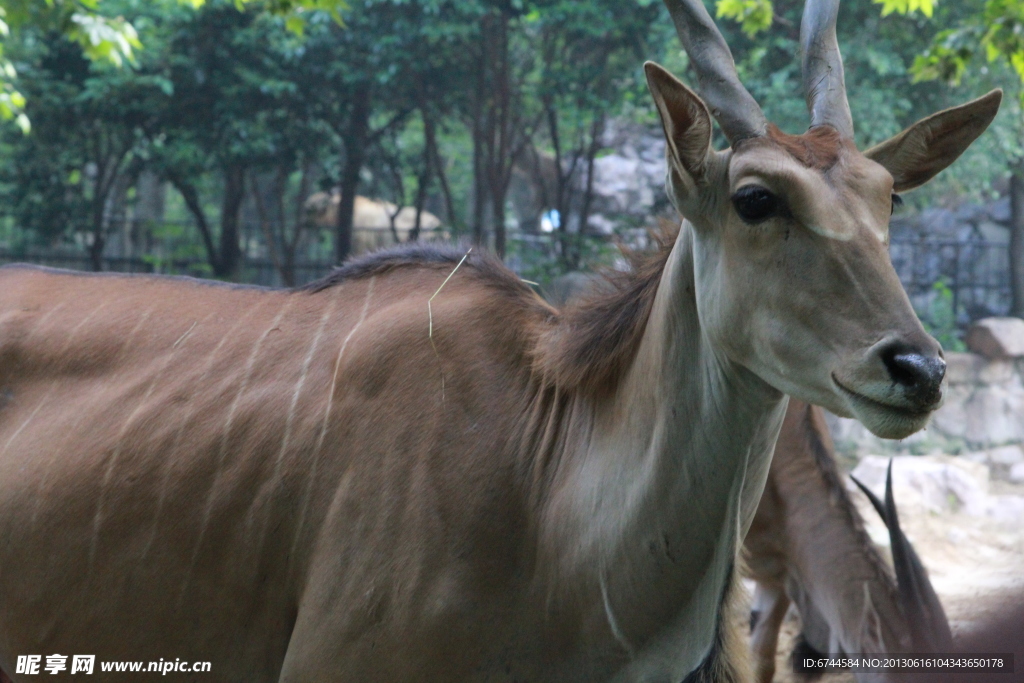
column 824, row 83
column 929, row 628
column 733, row 107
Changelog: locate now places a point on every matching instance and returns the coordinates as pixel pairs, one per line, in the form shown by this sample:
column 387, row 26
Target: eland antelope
column 807, row 546
column 416, row 470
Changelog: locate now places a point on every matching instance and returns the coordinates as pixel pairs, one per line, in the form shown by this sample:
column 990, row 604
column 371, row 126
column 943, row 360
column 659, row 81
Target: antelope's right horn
column 824, row 83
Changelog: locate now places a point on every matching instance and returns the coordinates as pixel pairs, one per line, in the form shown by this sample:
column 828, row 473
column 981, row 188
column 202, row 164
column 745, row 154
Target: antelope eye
column 755, row 204
column 896, row 201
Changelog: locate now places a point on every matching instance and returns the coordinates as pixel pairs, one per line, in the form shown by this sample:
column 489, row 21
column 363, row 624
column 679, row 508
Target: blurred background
column 264, row 141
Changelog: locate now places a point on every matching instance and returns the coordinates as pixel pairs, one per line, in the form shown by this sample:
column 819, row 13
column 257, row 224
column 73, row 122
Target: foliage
column 994, row 30
column 926, row 7
column 246, row 105
column 113, row 39
column 753, row 16
column 940, row 318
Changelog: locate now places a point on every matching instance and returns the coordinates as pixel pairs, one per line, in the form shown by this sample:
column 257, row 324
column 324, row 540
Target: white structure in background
column 375, row 223
column 550, row 221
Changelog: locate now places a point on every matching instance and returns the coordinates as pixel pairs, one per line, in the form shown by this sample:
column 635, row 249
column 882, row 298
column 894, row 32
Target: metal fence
column 949, row 283
column 252, row 271
column 952, row 282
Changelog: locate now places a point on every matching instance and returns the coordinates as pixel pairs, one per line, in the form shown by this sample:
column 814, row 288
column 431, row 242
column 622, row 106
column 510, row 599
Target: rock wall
column 985, row 401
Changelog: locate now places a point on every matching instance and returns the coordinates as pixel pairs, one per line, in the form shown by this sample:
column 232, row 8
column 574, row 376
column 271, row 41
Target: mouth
column 913, row 414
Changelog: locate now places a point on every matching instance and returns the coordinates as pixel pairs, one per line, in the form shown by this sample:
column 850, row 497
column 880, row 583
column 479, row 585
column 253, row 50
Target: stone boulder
column 940, row 484
column 1006, row 455
column 997, row 337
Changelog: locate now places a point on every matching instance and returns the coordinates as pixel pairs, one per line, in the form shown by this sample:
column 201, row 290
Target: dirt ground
column 975, row 563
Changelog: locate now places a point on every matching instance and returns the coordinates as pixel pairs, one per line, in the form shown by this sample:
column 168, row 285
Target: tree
column 989, row 34
column 588, row 53
column 86, row 133
column 235, row 107
column 391, row 60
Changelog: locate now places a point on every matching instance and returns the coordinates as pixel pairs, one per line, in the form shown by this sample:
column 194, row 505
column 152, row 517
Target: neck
column 652, row 506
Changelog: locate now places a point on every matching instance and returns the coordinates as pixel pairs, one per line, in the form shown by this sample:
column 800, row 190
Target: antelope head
column 790, row 232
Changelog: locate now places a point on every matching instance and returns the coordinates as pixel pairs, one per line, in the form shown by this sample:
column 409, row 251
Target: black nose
column 920, row 375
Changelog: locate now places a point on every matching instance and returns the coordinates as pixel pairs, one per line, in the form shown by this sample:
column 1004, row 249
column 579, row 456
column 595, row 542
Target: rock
column 983, row 414
column 963, row 368
column 941, row 484
column 630, row 180
column 937, row 483
column 1006, row 455
column 1006, row 509
column 939, row 223
column 997, row 337
column 999, row 210
column 968, row 212
column 1017, row 473
column 1000, row 371
column 994, row 232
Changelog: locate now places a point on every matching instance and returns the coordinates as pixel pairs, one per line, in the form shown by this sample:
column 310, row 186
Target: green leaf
column 296, row 24
column 906, row 7
column 753, row 16
column 103, row 39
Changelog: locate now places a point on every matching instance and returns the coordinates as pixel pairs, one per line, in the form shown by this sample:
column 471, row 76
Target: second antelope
column 416, row 471
column 807, row 545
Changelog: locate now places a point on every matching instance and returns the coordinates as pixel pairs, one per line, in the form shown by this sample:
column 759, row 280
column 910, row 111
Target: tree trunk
column 355, row 138
column 230, row 250
column 99, row 242
column 1017, row 240
column 150, row 201
column 499, row 225
column 596, row 133
column 422, row 183
column 442, row 177
column 504, row 131
column 479, row 182
column 299, row 223
column 191, row 196
column 96, row 253
column 270, row 235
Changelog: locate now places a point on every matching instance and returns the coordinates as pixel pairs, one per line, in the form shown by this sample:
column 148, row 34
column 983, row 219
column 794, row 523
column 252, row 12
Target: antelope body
column 342, row 483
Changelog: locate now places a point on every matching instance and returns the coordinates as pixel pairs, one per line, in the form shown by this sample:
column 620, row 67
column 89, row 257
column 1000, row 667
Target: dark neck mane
column 596, row 337
column 584, row 347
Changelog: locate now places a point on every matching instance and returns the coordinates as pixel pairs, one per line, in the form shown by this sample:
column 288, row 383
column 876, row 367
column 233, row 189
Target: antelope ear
column 916, row 155
column 686, row 123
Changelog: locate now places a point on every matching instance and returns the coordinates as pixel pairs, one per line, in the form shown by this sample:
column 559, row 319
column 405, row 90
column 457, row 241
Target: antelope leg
column 770, row 606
